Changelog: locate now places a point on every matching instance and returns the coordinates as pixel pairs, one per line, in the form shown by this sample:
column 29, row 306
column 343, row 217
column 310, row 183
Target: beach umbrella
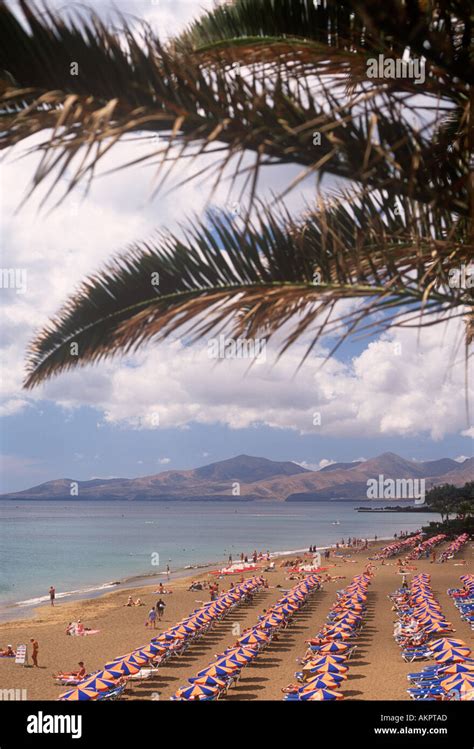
column 196, row 692
column 187, row 628
column 340, row 627
column 335, row 635
column 455, row 654
column 254, row 636
column 320, row 695
column 133, row 657
column 239, row 658
column 458, row 681
column 321, row 681
column 330, row 668
column 169, row 636
column 127, row 668
column 216, row 670
column 108, row 673
column 438, row 627
column 457, row 668
column 153, row 648
column 208, row 681
column 79, row 694
column 247, row 651
column 446, row 643
column 140, row 657
column 333, row 647
column 328, row 658
column 98, row 684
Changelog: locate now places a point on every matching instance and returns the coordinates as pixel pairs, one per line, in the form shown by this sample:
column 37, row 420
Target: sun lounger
column 113, row 694
column 144, row 673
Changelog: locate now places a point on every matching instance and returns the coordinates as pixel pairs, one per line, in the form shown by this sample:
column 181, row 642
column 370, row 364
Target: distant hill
column 257, row 478
column 247, row 468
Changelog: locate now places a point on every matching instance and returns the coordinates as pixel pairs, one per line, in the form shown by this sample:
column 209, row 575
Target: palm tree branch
column 148, row 88
column 255, row 278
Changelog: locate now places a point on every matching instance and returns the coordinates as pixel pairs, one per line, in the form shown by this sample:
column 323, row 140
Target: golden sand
column 377, row 670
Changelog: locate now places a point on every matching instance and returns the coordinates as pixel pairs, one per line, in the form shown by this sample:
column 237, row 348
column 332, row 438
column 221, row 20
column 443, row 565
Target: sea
column 85, row 548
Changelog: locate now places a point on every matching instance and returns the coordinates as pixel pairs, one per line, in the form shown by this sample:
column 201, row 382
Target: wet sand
column 377, row 670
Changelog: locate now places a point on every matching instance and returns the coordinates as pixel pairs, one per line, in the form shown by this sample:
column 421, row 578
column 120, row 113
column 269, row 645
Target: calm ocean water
column 80, row 546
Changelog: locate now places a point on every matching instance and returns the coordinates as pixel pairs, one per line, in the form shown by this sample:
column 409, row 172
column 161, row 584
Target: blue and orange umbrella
column 197, row 692
column 79, row 694
column 219, row 670
column 99, row 684
column 322, row 695
column 254, row 636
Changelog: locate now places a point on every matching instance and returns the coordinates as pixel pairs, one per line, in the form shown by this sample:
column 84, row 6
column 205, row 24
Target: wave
column 65, row 594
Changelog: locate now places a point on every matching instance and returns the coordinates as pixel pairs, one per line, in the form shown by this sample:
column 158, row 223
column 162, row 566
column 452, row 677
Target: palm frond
column 440, row 31
column 252, row 279
column 130, row 82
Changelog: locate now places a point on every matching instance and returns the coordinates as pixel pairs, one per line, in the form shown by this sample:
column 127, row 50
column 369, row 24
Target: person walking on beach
column 151, row 618
column 52, row 595
column 34, row 652
column 160, row 607
column 168, row 571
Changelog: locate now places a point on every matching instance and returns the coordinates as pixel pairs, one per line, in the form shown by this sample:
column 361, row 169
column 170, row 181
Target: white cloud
column 164, row 461
column 308, row 466
column 461, row 458
column 326, row 462
column 377, row 393
column 468, row 432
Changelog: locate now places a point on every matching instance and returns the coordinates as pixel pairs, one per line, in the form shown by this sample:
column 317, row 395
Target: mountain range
column 248, row 478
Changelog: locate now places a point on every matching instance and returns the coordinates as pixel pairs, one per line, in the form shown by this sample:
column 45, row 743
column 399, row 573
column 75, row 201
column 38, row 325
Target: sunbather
column 7, row 652
column 81, row 673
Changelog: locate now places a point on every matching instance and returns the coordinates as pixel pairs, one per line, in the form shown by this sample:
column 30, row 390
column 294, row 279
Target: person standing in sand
column 52, row 594
column 151, row 618
column 160, row 607
column 34, row 653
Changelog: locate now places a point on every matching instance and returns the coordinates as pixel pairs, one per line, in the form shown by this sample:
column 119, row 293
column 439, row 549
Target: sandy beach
column 377, row 670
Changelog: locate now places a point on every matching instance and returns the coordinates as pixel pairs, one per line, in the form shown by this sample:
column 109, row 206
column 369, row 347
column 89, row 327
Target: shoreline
column 119, row 628
column 25, row 611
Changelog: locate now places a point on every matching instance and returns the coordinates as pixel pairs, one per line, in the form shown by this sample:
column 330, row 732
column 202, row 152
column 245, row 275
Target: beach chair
column 112, row 694
column 435, row 691
column 144, row 673
column 415, row 655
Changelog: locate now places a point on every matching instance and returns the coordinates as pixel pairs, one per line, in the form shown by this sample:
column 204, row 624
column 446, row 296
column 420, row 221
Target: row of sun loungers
column 426, row 546
column 325, row 665
column 463, row 599
column 454, row 547
column 420, row 624
column 214, row 681
column 113, row 679
column 398, row 547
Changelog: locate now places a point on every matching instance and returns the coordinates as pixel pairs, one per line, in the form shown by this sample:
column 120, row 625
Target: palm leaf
column 252, row 279
column 128, row 84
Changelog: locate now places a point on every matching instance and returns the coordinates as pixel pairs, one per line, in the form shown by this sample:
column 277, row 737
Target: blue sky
column 392, row 392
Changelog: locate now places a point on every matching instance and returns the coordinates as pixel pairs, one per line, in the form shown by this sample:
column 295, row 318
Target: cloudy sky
column 171, row 406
